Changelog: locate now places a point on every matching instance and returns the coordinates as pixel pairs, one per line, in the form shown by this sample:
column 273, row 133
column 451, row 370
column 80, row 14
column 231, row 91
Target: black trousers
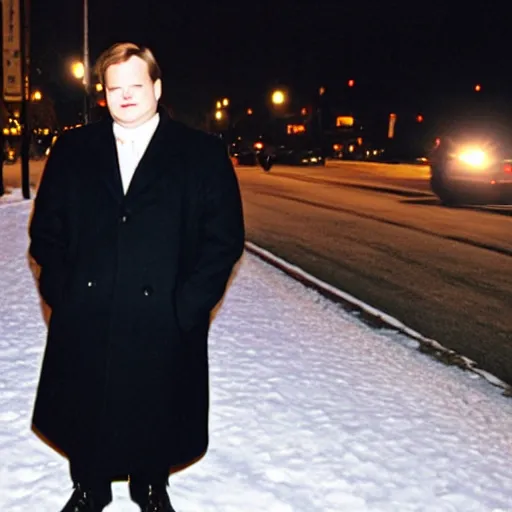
column 100, row 484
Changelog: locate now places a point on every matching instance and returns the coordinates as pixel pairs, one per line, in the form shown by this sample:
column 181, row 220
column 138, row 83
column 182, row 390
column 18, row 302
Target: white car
column 472, row 168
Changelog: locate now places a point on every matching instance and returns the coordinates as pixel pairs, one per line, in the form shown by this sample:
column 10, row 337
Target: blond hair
column 121, row 52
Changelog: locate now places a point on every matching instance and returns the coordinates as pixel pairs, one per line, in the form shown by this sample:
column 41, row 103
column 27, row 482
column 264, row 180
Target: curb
column 376, row 318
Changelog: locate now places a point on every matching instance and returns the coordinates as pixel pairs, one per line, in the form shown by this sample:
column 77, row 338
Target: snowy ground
column 312, row 411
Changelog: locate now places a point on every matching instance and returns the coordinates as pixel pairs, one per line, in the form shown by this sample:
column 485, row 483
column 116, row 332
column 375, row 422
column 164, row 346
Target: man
column 137, row 226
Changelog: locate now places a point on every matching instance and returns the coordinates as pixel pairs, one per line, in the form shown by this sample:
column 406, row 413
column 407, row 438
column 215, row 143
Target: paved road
column 445, row 272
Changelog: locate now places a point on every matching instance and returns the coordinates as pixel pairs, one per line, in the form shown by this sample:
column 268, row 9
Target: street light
column 278, row 97
column 37, row 96
column 225, row 102
column 78, row 70
column 86, row 61
column 219, row 115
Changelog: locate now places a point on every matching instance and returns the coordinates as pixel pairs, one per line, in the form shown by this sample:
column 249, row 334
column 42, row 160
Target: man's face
column 131, row 95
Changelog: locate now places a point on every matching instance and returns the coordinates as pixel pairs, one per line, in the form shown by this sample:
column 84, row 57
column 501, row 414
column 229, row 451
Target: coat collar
column 163, row 147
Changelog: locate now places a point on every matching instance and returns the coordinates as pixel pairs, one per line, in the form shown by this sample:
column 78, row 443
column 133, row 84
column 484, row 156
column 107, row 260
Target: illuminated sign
column 293, row 129
column 344, row 121
column 391, row 126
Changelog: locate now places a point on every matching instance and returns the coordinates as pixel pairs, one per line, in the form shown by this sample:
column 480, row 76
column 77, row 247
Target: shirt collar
column 141, row 133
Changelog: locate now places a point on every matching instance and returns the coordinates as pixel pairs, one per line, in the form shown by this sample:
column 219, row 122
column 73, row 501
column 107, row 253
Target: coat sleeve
column 48, row 241
column 220, row 241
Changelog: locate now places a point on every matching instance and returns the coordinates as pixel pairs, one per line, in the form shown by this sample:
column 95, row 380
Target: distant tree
column 43, row 115
column 4, row 115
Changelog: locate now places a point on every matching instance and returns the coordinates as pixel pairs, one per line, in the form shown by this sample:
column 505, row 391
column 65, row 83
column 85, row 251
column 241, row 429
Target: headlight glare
column 473, row 157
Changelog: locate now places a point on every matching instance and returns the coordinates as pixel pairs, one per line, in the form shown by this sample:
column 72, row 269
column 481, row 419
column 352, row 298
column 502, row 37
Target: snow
column 311, row 409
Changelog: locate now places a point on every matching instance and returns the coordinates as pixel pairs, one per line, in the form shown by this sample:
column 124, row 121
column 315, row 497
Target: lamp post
column 87, row 67
column 25, row 107
column 222, row 115
column 82, row 70
column 78, row 70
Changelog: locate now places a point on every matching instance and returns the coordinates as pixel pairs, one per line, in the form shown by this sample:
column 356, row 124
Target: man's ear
column 157, row 87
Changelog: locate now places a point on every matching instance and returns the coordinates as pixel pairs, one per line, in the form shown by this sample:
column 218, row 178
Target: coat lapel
column 107, row 164
column 163, row 148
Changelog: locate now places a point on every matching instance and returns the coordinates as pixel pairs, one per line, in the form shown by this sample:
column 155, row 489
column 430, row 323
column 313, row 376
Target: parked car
column 290, row 155
column 244, row 152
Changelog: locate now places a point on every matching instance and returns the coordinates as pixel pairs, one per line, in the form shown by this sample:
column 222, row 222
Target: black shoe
column 153, row 499
column 83, row 501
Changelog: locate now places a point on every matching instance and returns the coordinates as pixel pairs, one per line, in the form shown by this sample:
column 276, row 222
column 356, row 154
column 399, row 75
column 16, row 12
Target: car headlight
column 473, row 157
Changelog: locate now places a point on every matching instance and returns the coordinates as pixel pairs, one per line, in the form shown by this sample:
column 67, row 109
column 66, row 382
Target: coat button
column 91, row 284
column 147, row 291
column 125, row 215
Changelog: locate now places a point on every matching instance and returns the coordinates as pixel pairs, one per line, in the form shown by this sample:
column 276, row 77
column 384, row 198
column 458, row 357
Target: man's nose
column 127, row 93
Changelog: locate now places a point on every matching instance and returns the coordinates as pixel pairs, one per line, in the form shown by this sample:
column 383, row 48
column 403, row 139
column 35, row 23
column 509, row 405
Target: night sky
column 401, row 54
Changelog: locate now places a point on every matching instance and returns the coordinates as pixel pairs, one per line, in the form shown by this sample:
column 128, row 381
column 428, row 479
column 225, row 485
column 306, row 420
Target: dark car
column 299, row 155
column 472, row 163
column 243, row 152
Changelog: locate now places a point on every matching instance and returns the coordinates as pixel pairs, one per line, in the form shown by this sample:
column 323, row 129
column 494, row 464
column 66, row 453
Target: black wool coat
column 132, row 280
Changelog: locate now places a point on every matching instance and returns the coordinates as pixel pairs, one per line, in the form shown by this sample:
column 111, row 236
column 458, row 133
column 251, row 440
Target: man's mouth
column 126, row 105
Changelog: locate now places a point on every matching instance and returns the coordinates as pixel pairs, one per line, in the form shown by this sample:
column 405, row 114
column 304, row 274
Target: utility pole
column 87, row 65
column 25, row 100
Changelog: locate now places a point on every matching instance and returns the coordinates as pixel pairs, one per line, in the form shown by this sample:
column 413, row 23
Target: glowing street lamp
column 78, row 70
column 37, row 96
column 225, row 102
column 478, row 88
column 278, row 97
column 219, row 115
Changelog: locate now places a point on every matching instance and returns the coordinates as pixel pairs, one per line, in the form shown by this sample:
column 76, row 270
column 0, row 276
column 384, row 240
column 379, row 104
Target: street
column 376, row 232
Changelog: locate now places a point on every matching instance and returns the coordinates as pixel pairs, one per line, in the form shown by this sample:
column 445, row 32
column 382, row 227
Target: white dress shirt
column 131, row 144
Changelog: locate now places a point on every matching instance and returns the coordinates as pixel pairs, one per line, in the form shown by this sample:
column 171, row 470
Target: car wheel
column 265, row 162
column 440, row 186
